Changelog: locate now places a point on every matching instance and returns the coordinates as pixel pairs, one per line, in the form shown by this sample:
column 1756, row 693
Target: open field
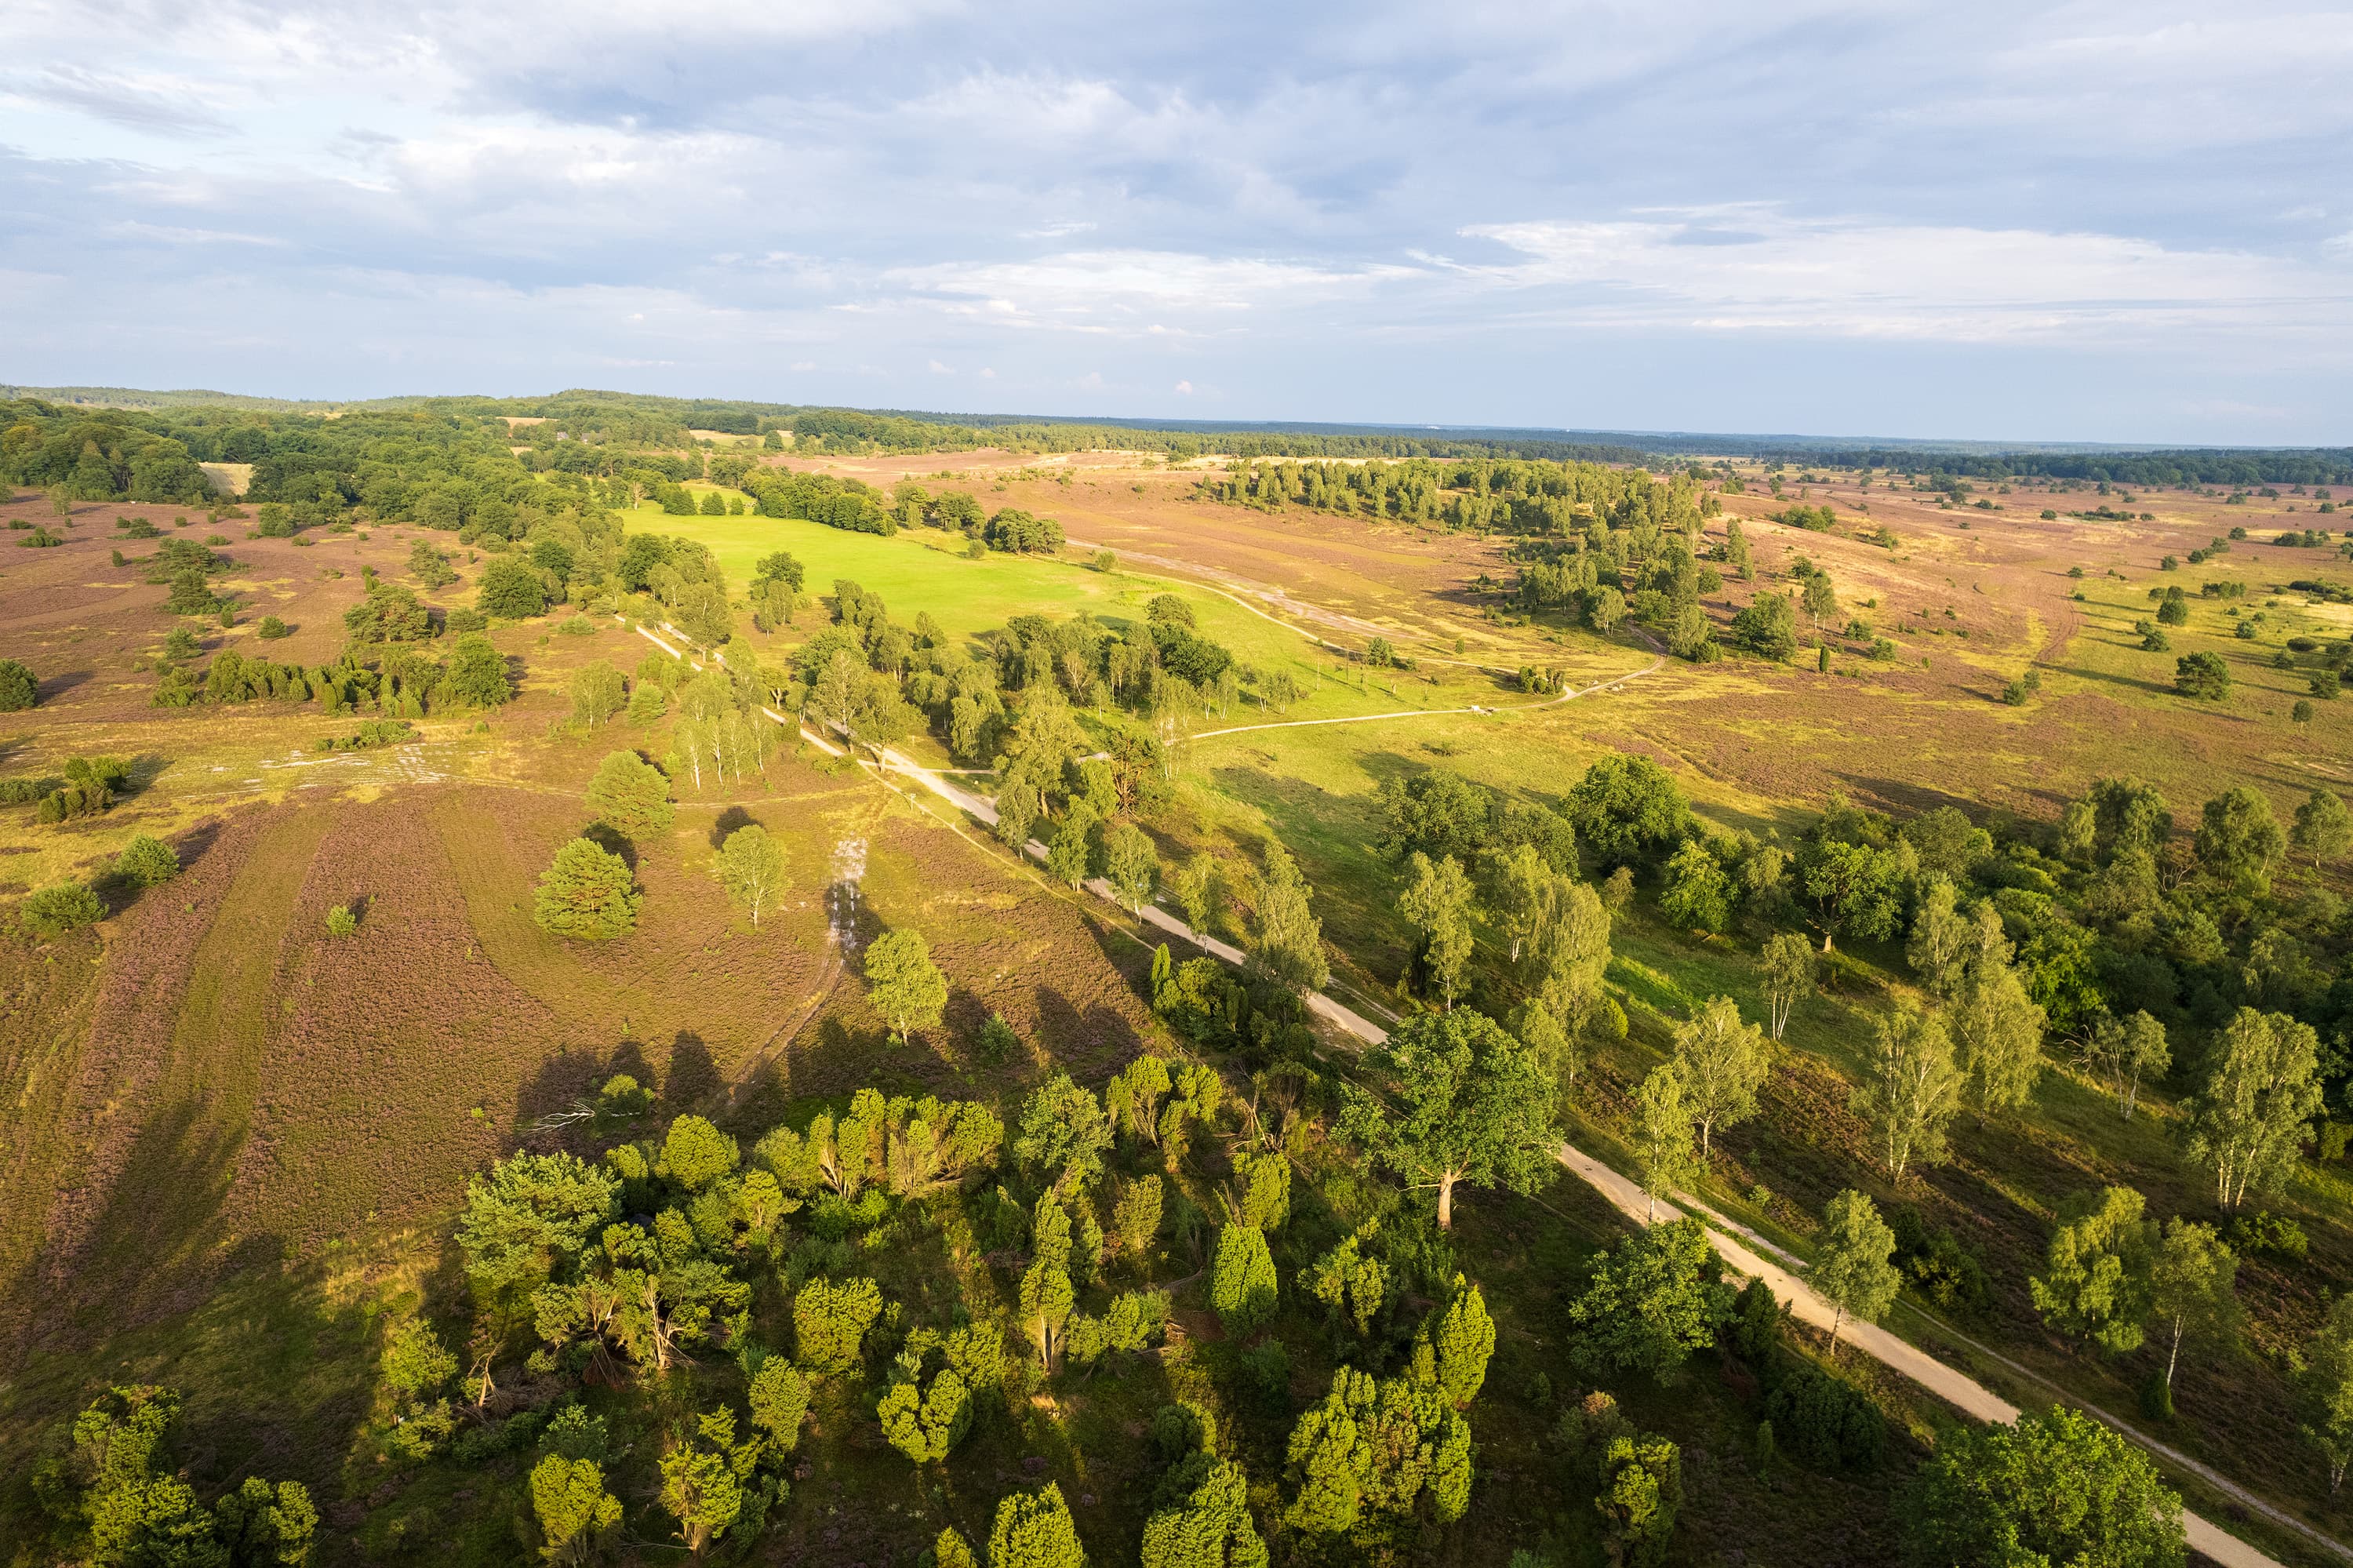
column 236, row 1143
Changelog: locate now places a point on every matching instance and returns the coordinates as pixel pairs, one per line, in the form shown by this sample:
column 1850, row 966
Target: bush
column 2203, row 676
column 1825, row 1421
column 464, row 619
column 26, row 792
column 477, row 673
column 511, row 591
column 271, row 629
column 341, row 921
column 2269, row 1233
column 586, row 893
column 18, row 689
column 146, row 862
column 577, row 626
column 59, row 908
column 1936, row 1264
column 631, row 795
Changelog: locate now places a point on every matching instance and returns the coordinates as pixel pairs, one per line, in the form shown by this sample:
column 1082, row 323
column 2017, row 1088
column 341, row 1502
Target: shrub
column 577, row 626
column 2203, row 676
column 2274, row 1234
column 587, row 894
column 271, row 629
column 26, row 792
column 60, row 907
column 18, row 689
column 341, row 921
column 1825, row 1421
column 146, row 862
column 477, row 673
column 464, row 617
column 511, row 591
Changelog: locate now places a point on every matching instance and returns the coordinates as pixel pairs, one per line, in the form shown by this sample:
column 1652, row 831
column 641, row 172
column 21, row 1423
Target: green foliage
column 477, row 676
column 1352, row 1282
column 1851, row 1268
column 1460, row 1337
column 1242, row 1282
column 778, row 1396
column 531, row 1212
column 1035, row 1530
column 1207, row 1522
column 19, row 689
column 1697, row 895
column 1288, row 944
column 1719, row 1065
column 1626, row 807
column 1911, row 1088
column 510, row 590
column 1265, row 1182
column 599, row 692
column 1476, row 1109
column 696, row 1155
column 631, row 795
column 1377, row 1453
column 573, row 1507
column 1131, row 865
column 2238, row 843
column 1641, row 1493
column 830, row 1319
column 1063, row 1133
column 902, row 983
column 2250, row 1120
column 1653, row 1300
column 2095, row 1284
column 342, row 922
column 587, row 894
column 59, row 908
column 2203, row 676
column 2059, row 1487
column 751, row 866
column 146, row 862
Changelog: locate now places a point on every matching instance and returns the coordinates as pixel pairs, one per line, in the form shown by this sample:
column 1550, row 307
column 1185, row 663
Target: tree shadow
column 612, row 841
column 53, row 686
column 727, row 821
column 692, row 1075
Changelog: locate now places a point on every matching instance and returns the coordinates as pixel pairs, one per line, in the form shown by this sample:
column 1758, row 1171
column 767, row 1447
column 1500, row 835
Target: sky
column 2100, row 221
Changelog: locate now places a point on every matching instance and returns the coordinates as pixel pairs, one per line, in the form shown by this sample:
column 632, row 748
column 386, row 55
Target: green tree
column 573, row 1507
column 1996, row 1034
column 1697, row 895
column 1242, row 1282
column 261, row 1524
column 829, row 1321
column 700, row 1485
column 751, row 866
column 1641, row 1493
column 1721, row 1062
column 1525, row 889
column 510, row 590
column 599, row 692
column 631, row 796
column 1856, row 889
column 2127, row 1051
column 2193, row 1289
column 902, row 983
column 778, row 1396
column 1131, row 865
column 1477, row 1108
column 2239, row 841
column 1289, row 945
column 2095, row 1287
column 2203, row 676
column 2324, row 1391
column 1035, row 1530
column 1654, row 1299
column 2054, row 1488
column 1135, row 1217
column 1853, row 1270
column 146, row 862
column 2256, row 1112
column 1437, row 903
column 1910, row 1088
column 59, row 908
column 2322, row 830
column 1941, row 940
column 1572, row 954
column 1626, row 807
column 1462, row 1343
column 1788, row 974
column 697, row 1155
column 1668, row 1154
column 477, row 673
column 532, row 1214
column 1072, row 845
column 1206, row 1523
column 19, row 689
column 587, row 894
column 1063, row 1133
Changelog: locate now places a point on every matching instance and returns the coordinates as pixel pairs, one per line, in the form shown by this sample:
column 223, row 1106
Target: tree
column 1035, row 1530
column 2096, row 1282
column 1940, row 945
column 778, row 1396
column 2325, row 1389
column 531, row 1214
column 2238, row 843
column 1242, row 1282
column 2193, row 1288
column 1131, row 865
column 1438, row 904
column 1670, row 1158
column 573, row 1506
column 1064, row 1132
column 18, row 688
column 1997, row 1037
column 1463, row 1343
column 599, row 692
column 1073, row 844
column 1722, row 1062
column 1910, row 1088
column 751, row 866
column 477, row 673
column 1789, row 965
column 699, row 1484
column 1477, row 1108
column 261, row 1524
column 1641, row 1493
column 1017, row 807
column 2054, row 1488
column 1697, row 895
column 1290, row 939
column 1653, row 1300
column 1373, row 1450
column 510, row 590
column 2203, row 676
column 59, row 908
column 1572, row 954
column 146, row 862
column 1523, row 888
column 1767, row 627
column 830, row 1319
column 587, row 894
column 902, row 983
column 631, row 796
column 1208, row 1524
column 1855, row 888
column 2127, row 1051
column 1851, row 1268
column 1628, row 806
column 2322, row 830
column 2256, row 1111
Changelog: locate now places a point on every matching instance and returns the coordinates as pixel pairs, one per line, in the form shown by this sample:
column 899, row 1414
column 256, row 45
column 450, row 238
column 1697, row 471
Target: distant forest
column 643, row 422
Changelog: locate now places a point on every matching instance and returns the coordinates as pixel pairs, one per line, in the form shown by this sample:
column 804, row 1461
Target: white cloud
column 1183, row 388
column 939, row 369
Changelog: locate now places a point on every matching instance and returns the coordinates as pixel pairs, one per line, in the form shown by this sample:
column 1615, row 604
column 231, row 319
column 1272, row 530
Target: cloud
column 939, row 369
column 1183, row 388
column 153, row 101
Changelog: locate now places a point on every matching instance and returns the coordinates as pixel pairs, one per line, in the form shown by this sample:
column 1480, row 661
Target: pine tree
column 1242, row 1281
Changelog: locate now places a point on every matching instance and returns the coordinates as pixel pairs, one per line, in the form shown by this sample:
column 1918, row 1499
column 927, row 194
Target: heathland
column 461, row 1029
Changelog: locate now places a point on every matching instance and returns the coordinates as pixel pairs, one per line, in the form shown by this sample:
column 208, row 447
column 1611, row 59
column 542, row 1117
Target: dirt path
column 1571, row 696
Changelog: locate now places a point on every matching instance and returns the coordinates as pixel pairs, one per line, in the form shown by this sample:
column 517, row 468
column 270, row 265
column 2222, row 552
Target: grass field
column 230, row 1143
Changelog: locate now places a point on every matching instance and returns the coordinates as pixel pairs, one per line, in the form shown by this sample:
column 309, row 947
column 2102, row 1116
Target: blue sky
column 2096, row 221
